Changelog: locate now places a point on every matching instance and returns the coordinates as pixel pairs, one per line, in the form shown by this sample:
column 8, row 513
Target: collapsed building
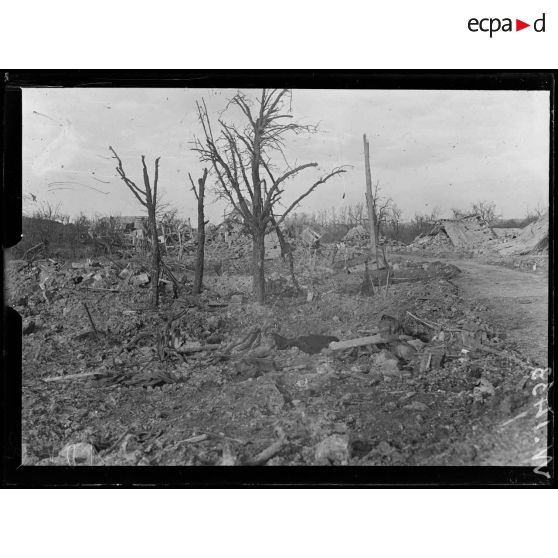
column 507, row 232
column 467, row 233
column 133, row 231
column 310, row 237
column 356, row 234
column 530, row 240
column 473, row 233
column 360, row 235
column 233, row 234
column 231, row 230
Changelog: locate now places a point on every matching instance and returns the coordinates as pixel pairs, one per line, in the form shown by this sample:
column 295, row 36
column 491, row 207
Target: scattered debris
column 386, row 361
column 372, row 372
column 404, row 350
column 140, row 280
column 265, row 455
column 383, row 449
column 483, row 390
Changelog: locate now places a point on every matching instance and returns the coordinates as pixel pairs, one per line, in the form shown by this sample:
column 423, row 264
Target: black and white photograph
column 268, row 276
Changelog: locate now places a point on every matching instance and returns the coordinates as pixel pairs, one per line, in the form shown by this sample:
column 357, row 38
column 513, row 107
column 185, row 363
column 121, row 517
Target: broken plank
column 359, row 342
column 196, row 348
column 265, row 455
column 99, row 289
column 369, row 340
column 73, row 376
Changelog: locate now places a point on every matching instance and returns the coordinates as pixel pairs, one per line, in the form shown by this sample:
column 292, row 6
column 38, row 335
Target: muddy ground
column 168, row 387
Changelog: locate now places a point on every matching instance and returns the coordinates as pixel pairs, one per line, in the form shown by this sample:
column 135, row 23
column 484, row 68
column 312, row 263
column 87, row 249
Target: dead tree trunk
column 286, row 251
column 147, row 196
column 200, row 251
column 370, row 204
column 155, row 258
column 258, row 268
column 240, row 155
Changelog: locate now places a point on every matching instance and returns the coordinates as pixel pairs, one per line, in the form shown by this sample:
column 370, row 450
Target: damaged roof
column 532, row 238
column 357, row 231
column 466, row 232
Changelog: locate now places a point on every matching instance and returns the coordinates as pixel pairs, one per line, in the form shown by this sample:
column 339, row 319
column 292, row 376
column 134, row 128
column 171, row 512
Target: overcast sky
column 428, row 148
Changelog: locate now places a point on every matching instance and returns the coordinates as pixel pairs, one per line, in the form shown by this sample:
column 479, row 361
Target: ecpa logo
column 492, row 25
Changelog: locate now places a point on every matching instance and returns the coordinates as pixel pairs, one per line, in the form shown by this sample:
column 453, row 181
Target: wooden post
column 200, row 252
column 370, row 204
column 179, row 228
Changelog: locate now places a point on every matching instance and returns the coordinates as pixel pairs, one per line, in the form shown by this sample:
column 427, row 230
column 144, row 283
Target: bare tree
column 148, row 198
column 394, row 220
column 343, row 215
column 200, row 253
column 241, row 158
column 536, row 213
column 106, row 233
column 383, row 208
column 333, row 215
column 433, row 216
column 458, row 213
column 356, row 214
column 423, row 223
column 50, row 212
column 321, row 217
column 485, row 210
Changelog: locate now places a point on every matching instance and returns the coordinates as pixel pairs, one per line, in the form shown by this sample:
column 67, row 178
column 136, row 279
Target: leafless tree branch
column 239, row 156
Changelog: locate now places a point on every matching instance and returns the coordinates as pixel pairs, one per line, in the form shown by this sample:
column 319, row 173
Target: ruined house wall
column 532, row 238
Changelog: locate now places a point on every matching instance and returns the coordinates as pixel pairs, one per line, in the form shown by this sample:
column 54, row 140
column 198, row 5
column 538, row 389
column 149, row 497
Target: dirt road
column 518, row 303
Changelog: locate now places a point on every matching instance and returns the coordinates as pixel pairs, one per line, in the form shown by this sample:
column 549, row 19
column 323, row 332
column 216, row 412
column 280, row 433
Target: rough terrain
column 518, row 302
column 201, row 381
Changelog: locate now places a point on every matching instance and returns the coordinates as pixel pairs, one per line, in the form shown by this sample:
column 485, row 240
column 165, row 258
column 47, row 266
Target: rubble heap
column 531, row 239
column 470, row 233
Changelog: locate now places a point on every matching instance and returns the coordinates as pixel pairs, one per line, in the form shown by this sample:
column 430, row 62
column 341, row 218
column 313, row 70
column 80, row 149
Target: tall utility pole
column 370, row 204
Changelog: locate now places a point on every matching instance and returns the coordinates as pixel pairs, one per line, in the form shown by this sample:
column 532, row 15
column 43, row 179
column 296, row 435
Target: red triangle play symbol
column 519, row 25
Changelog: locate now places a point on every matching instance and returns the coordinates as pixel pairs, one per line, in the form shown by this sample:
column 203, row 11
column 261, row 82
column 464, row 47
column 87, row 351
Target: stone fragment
column 416, row 406
column 333, row 450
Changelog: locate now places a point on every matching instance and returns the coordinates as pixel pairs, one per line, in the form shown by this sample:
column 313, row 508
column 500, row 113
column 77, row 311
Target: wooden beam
column 362, row 341
column 359, row 342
